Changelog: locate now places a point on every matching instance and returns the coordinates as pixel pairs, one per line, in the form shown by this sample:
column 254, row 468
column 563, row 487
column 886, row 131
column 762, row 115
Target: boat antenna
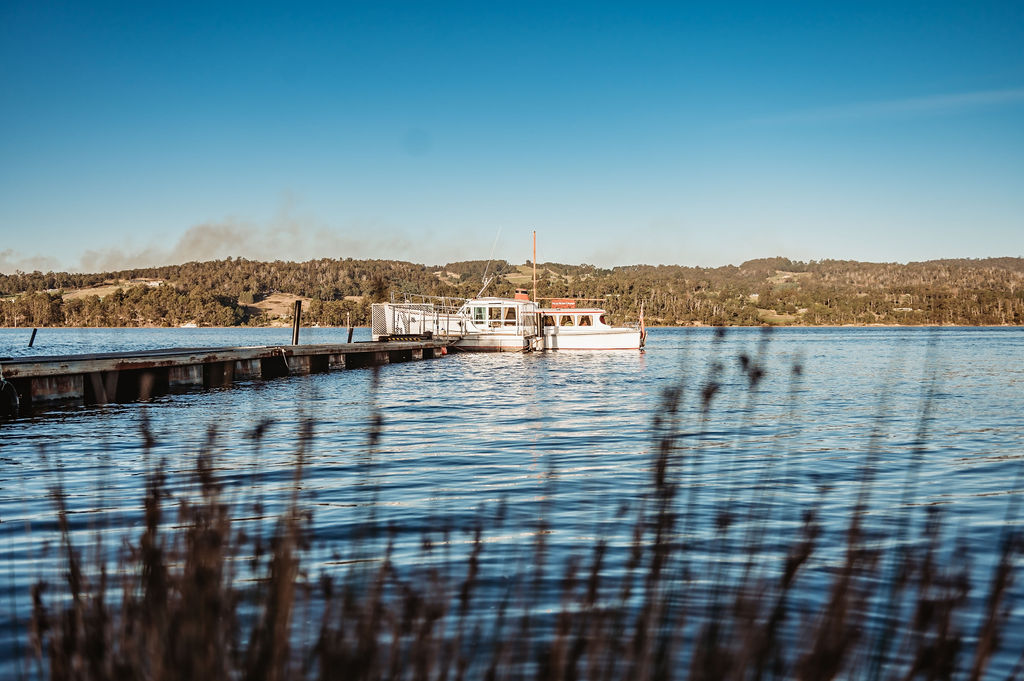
column 488, row 266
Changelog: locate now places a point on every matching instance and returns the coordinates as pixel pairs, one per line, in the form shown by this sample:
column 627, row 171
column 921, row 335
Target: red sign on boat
column 563, row 303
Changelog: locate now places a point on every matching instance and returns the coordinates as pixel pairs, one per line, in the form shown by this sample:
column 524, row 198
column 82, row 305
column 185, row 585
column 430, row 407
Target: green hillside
column 764, row 291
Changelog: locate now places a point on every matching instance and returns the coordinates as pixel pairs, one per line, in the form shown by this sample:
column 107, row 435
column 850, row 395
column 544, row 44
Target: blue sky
column 676, row 133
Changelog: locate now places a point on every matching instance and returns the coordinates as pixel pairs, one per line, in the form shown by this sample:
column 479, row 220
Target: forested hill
column 770, row 290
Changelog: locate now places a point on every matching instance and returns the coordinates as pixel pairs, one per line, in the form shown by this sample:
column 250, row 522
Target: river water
column 566, row 437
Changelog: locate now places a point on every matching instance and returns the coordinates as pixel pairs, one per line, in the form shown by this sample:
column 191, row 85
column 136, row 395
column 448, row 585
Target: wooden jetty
column 128, row 376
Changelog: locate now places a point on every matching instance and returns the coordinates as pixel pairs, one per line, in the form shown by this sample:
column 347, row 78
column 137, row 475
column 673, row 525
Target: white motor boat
column 490, row 324
column 586, row 329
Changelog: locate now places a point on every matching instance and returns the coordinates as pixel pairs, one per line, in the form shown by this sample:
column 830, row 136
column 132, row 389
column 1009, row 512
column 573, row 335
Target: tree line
column 764, row 291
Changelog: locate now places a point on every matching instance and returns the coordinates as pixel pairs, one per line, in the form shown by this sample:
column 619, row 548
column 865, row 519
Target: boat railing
column 443, row 304
column 413, row 319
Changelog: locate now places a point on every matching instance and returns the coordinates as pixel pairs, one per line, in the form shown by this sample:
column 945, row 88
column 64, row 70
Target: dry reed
column 897, row 605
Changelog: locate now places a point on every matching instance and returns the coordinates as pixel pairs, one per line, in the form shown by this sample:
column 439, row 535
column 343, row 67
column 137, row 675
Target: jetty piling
column 296, row 319
column 104, row 378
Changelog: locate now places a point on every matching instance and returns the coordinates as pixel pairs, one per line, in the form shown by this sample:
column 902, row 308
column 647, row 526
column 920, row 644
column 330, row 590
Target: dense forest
column 765, row 291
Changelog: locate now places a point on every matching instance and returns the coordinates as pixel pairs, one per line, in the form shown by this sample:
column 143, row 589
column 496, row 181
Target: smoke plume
column 11, row 261
column 286, row 237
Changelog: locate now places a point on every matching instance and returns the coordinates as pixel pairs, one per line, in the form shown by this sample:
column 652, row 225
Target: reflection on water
column 563, row 436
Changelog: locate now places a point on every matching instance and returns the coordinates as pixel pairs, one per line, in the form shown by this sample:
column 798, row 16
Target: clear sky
column 677, row 133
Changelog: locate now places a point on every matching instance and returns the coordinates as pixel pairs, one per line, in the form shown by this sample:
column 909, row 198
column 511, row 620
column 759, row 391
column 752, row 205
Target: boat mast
column 488, row 267
column 534, row 265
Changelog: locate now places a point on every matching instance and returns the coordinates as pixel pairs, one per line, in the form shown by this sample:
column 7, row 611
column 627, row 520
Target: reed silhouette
column 736, row 600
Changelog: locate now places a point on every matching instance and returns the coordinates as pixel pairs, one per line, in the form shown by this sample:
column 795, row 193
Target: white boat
column 586, row 329
column 490, row 324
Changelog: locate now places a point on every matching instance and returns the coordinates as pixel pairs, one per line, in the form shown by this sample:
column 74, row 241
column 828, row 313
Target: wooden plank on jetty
column 127, row 376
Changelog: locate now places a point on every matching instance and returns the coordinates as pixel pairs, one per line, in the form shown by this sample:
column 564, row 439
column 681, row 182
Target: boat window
column 549, row 320
column 586, row 320
column 566, row 320
column 479, row 314
column 510, row 316
column 494, row 316
column 602, row 320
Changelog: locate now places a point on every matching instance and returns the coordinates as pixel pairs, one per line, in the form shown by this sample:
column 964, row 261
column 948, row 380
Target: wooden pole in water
column 296, row 316
column 348, row 321
column 33, row 338
column 535, row 265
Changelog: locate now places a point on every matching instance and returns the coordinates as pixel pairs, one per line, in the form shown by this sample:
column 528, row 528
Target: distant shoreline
column 183, row 328
column 840, row 326
column 649, row 326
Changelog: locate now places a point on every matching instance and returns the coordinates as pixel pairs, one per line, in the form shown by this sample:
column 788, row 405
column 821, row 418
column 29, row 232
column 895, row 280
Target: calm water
column 564, row 436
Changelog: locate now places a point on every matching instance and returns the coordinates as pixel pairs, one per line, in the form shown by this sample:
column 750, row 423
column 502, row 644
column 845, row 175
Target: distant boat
column 189, row 325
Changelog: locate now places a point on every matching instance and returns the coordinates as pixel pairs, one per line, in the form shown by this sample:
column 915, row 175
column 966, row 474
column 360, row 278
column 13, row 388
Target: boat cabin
column 498, row 313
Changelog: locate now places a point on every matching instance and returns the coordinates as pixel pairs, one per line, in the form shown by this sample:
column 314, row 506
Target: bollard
column 296, row 317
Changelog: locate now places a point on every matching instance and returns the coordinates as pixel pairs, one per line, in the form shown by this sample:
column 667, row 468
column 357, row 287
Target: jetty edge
column 107, row 377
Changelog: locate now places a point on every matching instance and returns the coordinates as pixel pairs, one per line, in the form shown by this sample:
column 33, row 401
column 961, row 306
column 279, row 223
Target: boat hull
column 491, row 343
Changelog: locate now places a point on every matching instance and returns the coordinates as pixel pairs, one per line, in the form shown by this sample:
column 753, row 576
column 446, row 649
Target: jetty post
column 296, row 318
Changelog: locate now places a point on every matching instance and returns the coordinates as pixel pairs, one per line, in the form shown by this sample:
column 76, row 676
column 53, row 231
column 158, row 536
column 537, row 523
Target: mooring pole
column 348, row 321
column 33, row 338
column 296, row 317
